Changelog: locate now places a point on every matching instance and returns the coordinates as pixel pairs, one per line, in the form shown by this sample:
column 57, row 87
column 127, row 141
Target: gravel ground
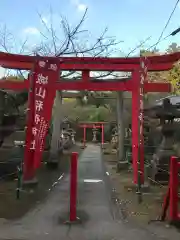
column 11, row 208
column 142, row 214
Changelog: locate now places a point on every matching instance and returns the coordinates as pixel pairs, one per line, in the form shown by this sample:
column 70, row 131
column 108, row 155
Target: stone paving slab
column 95, row 208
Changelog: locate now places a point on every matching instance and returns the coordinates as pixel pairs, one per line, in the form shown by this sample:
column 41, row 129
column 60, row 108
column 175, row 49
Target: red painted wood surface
column 91, row 86
column 73, row 187
column 174, row 187
column 27, row 61
column 89, row 66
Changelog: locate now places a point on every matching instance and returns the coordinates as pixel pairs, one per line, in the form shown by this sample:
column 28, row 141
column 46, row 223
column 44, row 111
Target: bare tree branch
column 72, row 42
column 138, row 46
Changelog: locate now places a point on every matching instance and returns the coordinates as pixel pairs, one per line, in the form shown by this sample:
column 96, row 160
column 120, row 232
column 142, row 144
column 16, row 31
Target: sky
column 130, row 21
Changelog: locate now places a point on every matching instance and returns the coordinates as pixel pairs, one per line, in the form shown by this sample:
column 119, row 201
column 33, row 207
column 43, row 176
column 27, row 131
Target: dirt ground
column 11, row 208
column 143, row 213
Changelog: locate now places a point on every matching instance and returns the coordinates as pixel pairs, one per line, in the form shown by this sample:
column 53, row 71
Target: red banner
column 46, row 73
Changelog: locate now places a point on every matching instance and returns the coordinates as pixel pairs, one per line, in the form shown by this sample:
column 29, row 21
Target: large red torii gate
column 87, row 64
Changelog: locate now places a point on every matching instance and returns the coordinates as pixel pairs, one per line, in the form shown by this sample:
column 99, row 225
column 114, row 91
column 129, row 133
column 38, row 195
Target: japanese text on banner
column 42, row 103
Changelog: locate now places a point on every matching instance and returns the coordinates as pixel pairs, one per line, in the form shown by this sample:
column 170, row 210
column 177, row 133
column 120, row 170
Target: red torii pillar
column 138, row 90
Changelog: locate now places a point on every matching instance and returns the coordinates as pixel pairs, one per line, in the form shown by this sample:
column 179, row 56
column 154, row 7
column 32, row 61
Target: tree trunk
column 121, row 131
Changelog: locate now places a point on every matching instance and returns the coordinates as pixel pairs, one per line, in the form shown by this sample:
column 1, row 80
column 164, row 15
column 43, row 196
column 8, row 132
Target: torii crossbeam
column 86, row 65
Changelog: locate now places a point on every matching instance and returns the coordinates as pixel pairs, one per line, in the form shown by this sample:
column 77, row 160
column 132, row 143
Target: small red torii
column 85, row 65
column 92, row 125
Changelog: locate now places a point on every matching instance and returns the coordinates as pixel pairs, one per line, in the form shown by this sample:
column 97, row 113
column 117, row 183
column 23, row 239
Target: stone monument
column 164, row 113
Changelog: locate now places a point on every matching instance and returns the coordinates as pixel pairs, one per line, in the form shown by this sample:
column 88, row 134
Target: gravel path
column 100, row 218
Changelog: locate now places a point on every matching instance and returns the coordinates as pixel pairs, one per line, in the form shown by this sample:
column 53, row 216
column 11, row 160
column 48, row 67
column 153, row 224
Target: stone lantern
column 165, row 112
column 73, row 133
column 94, row 131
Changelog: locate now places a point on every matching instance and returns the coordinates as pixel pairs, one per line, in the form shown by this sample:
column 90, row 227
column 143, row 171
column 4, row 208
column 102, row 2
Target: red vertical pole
column 73, row 187
column 173, row 205
column 102, row 135
column 84, row 136
column 28, row 168
column 135, row 117
column 142, row 80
